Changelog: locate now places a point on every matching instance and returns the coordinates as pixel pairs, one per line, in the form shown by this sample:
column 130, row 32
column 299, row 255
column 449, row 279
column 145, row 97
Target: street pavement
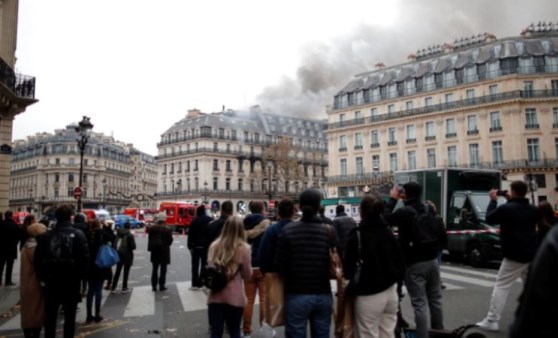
column 181, row 312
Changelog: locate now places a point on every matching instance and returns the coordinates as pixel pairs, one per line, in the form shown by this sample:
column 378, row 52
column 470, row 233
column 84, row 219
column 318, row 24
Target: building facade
column 480, row 102
column 232, row 155
column 45, row 172
column 17, row 91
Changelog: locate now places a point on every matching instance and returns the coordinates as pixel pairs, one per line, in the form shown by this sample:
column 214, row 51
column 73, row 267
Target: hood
column 36, row 229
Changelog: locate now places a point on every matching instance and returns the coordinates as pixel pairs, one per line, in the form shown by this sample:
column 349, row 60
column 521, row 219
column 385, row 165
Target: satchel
column 335, row 266
column 107, row 256
column 274, row 299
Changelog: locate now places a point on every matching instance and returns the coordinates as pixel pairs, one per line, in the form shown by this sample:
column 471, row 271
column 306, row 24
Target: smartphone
column 502, row 193
column 400, row 189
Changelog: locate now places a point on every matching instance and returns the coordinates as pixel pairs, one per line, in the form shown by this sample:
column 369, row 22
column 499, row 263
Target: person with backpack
column 196, row 245
column 158, row 243
column 61, row 261
column 419, row 241
column 126, row 244
column 343, row 224
column 232, row 255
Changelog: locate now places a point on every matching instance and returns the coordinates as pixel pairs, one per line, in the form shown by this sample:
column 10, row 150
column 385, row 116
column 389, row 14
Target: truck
column 461, row 198
column 179, row 215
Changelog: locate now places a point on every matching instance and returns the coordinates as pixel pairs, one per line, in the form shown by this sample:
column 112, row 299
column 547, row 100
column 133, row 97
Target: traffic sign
column 77, row 193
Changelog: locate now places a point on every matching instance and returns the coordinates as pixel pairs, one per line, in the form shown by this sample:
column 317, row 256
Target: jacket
column 302, row 256
column 268, row 245
column 214, row 230
column 197, row 230
column 382, row 260
column 10, row 235
column 160, row 254
column 343, row 224
column 31, row 293
column 127, row 256
column 404, row 219
column 518, row 222
column 538, row 304
column 95, row 239
column 255, row 226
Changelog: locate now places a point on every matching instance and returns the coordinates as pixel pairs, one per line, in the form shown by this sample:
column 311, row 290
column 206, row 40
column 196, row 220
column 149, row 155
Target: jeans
column 9, row 263
column 157, row 276
column 299, row 309
column 53, row 301
column 219, row 314
column 508, row 273
column 251, row 286
column 95, row 290
column 422, row 280
column 199, row 257
column 124, row 277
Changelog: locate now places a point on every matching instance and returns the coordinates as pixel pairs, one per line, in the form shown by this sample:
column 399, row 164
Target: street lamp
column 84, row 131
column 178, row 187
column 205, row 197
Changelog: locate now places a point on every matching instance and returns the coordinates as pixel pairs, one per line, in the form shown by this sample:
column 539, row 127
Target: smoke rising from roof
column 326, row 67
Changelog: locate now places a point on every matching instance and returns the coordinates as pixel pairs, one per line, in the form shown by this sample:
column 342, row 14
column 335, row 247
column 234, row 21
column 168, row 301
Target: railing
column 516, row 94
column 21, row 85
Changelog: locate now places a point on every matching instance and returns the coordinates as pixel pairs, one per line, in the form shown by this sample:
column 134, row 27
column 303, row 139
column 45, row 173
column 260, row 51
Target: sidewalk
column 9, row 295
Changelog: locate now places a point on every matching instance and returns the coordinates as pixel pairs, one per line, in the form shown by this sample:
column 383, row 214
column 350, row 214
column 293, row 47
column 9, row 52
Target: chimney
column 193, row 113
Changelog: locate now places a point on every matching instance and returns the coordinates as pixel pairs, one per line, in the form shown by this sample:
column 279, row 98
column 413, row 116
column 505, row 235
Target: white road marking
column 470, row 280
column 142, row 302
column 470, row 272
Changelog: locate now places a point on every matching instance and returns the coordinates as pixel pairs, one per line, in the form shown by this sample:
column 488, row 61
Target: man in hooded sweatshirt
column 196, row 245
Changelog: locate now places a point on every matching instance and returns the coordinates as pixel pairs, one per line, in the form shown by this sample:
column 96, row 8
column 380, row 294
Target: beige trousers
column 376, row 315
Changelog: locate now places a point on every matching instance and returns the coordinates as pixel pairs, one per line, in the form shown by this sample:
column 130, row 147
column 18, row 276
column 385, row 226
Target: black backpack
column 425, row 229
column 214, row 277
column 61, row 252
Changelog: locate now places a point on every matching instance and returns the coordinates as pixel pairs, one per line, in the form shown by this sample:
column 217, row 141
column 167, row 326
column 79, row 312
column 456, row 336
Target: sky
column 135, row 67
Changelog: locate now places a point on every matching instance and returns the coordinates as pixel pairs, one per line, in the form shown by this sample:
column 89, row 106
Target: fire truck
column 179, row 214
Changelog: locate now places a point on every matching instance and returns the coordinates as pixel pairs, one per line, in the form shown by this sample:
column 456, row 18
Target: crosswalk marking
column 469, row 272
column 465, row 279
column 142, row 302
column 191, row 300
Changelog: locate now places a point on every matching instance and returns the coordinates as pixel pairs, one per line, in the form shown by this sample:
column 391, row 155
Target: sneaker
column 488, row 325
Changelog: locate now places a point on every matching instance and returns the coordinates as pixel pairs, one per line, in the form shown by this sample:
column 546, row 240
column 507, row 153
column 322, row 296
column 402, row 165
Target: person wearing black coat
column 158, row 243
column 126, row 244
column 343, row 224
column 214, row 228
column 376, row 301
column 196, row 245
column 10, row 235
column 97, row 275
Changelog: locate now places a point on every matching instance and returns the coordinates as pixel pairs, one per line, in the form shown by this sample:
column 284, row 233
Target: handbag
column 335, row 266
column 107, row 256
column 274, row 299
column 353, row 284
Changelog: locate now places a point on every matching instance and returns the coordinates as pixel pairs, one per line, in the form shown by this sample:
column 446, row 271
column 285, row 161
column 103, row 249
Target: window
column 393, row 161
column 430, row 132
column 472, row 125
column 410, row 87
column 391, row 136
column 474, row 154
column 196, row 168
column 215, row 183
column 341, row 119
column 358, row 115
column 228, row 184
column 57, row 161
column 555, row 151
column 358, row 141
column 411, row 133
column 531, row 118
column 431, row 157
column 56, row 177
column 493, row 70
column 85, row 178
column 70, row 177
column 373, row 113
column 228, row 165
column 374, row 139
column 450, row 127
column 72, row 161
column 342, row 142
column 240, row 185
column 391, row 109
column 533, row 149
column 429, row 82
column 343, row 167
column 215, row 165
column 359, row 166
column 171, row 168
column 471, row 74
column 493, row 90
column 497, row 152
column 215, row 146
column 540, row 179
column 555, row 117
column 376, row 162
column 495, row 121
column 409, row 105
column 179, row 167
column 392, row 91
column 528, row 88
column 412, row 160
column 428, row 102
column 449, row 98
column 452, row 156
column 449, row 78
column 470, row 94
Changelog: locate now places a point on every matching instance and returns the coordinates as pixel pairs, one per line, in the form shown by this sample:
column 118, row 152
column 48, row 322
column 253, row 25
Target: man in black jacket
column 518, row 237
column 302, row 257
column 422, row 272
column 196, row 245
column 343, row 224
column 9, row 238
column 158, row 243
column 214, row 228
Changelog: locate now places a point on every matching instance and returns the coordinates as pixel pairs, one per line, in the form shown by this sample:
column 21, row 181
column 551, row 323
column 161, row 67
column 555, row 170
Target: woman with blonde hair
column 231, row 252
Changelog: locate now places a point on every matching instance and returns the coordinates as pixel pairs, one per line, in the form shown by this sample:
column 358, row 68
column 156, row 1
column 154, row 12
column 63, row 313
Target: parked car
column 119, row 221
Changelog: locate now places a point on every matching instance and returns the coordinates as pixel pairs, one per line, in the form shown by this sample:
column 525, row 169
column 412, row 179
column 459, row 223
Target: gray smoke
column 326, row 67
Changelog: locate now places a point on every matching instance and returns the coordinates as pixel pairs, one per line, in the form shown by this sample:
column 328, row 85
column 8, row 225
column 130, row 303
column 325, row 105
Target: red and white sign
column 77, row 193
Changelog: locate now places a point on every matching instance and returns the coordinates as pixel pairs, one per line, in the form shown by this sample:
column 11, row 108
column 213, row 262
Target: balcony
column 451, row 135
column 358, row 147
column 532, row 126
column 494, row 129
column 430, row 138
column 23, row 86
column 472, row 132
column 374, row 145
column 392, row 143
column 343, row 149
column 411, row 140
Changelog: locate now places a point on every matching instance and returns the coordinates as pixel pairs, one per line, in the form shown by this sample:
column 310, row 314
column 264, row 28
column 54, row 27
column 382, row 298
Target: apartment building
column 479, row 102
column 240, row 156
column 45, row 171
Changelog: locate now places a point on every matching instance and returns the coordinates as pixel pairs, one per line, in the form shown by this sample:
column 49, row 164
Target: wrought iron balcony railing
column 21, row 85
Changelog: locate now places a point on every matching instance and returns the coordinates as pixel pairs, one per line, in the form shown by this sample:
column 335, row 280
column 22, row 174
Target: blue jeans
column 95, row 291
column 299, row 309
column 219, row 314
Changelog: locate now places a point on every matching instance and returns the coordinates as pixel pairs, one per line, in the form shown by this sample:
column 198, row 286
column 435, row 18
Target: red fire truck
column 179, row 214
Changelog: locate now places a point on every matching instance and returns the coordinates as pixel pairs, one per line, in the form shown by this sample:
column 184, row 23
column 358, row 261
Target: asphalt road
column 180, row 312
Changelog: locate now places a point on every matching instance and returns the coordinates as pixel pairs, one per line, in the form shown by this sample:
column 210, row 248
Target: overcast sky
column 136, row 66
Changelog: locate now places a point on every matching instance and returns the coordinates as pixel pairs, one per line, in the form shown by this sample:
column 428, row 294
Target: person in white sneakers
column 518, row 238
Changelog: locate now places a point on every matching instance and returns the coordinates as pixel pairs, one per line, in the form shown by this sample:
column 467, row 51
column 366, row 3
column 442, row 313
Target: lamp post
column 205, row 197
column 178, row 187
column 84, row 131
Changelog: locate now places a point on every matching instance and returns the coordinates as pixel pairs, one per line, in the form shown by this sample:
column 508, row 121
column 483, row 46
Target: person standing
column 343, row 224
column 125, row 245
column 214, row 228
column 32, row 300
column 231, row 252
column 324, row 218
column 158, row 243
column 546, row 220
column 97, row 275
column 10, row 236
column 255, row 225
column 111, row 239
column 196, row 245
column 80, row 223
column 61, row 261
column 422, row 272
column 302, row 258
column 518, row 238
column 375, row 246
column 268, row 245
